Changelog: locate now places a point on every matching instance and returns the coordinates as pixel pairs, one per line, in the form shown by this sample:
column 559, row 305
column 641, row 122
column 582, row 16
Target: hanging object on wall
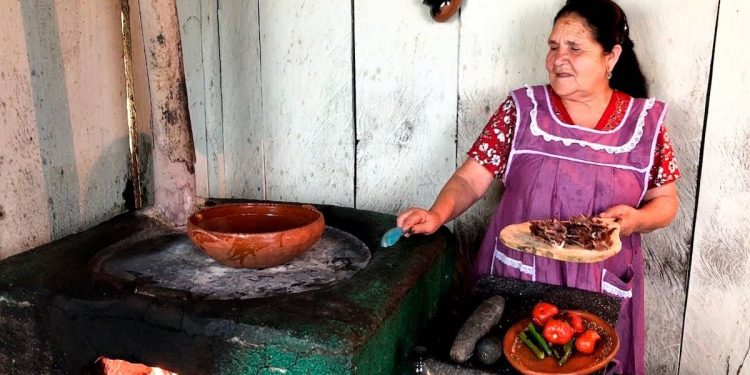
column 443, row 10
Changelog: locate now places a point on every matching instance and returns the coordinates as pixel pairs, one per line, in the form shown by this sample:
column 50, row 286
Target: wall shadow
column 52, row 113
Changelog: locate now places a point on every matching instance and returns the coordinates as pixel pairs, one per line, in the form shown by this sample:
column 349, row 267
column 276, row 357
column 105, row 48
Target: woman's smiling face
column 576, row 62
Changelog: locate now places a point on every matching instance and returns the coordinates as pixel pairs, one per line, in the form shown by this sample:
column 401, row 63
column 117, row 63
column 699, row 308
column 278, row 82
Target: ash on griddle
column 162, row 263
column 582, row 231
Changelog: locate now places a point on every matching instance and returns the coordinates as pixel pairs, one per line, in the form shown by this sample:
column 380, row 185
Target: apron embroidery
column 627, row 147
column 618, row 166
column 513, row 263
column 613, row 290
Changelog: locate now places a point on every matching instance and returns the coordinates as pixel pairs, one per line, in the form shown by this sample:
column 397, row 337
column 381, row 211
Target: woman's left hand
column 627, row 216
column 657, row 210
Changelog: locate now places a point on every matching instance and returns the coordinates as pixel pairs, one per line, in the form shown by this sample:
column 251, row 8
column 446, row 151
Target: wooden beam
column 173, row 153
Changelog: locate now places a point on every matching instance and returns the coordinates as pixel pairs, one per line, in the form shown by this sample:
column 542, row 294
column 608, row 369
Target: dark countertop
column 520, row 298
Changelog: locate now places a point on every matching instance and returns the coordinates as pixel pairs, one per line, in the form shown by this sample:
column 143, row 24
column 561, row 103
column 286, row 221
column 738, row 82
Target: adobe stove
column 134, row 289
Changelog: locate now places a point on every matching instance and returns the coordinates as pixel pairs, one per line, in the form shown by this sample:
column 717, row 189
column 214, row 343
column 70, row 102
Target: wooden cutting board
column 519, row 237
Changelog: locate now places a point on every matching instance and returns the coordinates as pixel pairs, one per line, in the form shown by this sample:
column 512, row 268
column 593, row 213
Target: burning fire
column 106, row 366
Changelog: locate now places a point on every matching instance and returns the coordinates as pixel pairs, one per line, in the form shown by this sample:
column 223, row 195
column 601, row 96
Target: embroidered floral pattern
column 492, row 147
column 664, row 169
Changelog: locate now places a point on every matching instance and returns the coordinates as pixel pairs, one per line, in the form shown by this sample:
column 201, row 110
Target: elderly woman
column 585, row 143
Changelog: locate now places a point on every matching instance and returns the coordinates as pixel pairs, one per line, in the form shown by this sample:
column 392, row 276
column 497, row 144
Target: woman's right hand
column 470, row 181
column 417, row 220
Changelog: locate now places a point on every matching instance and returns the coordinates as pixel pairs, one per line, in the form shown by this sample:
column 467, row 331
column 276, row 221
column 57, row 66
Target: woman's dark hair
column 610, row 27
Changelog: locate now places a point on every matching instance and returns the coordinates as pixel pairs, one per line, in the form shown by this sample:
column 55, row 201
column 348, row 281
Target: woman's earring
column 609, row 75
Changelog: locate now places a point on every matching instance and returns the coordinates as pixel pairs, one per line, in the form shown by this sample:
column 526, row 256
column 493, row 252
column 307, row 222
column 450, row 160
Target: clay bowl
column 523, row 360
column 255, row 235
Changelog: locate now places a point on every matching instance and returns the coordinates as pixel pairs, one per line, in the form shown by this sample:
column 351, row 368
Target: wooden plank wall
column 64, row 149
column 199, row 21
column 663, row 41
column 247, row 108
column 306, row 65
column 406, row 82
column 241, row 95
column 717, row 321
column 422, row 92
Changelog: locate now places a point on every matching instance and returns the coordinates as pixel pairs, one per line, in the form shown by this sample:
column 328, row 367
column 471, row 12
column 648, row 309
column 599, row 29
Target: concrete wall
column 64, row 144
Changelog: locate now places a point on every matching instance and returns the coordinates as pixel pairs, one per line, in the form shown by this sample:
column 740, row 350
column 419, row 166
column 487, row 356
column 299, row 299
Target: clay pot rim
column 197, row 217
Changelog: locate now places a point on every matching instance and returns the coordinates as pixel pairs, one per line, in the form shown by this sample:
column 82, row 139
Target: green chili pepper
column 538, row 338
column 567, row 353
column 539, row 354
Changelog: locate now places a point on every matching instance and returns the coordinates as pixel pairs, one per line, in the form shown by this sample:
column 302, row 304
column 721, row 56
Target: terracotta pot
column 255, row 235
column 522, row 359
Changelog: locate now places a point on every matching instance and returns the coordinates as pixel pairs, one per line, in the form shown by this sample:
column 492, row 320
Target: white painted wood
column 65, row 166
column 200, row 40
column 406, row 86
column 717, row 321
column 212, row 90
column 665, row 33
column 502, row 47
column 189, row 12
column 306, row 65
column 241, row 98
column 173, row 153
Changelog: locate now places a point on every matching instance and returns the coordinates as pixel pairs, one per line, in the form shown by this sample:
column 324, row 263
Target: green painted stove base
column 387, row 352
column 382, row 354
column 366, row 325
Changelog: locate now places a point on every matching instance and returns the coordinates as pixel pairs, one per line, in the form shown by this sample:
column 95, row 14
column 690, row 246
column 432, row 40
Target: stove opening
column 107, row 366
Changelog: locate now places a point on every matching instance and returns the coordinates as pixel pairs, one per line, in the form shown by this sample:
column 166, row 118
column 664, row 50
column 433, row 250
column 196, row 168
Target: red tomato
column 586, row 342
column 575, row 321
column 542, row 312
column 557, row 331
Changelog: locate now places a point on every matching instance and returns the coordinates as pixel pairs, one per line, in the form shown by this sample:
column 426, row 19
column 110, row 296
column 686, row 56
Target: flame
column 106, row 366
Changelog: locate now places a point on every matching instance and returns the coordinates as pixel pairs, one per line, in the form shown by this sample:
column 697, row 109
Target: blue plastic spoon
column 391, row 237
